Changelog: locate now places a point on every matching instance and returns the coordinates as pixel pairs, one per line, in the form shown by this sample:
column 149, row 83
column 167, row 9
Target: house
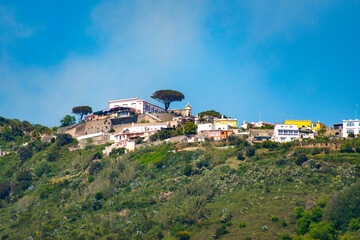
column 338, row 126
column 247, row 125
column 285, row 133
column 141, row 106
column 210, row 126
column 351, row 126
column 217, row 135
column 263, row 124
column 115, row 112
column 306, row 124
column 228, row 121
column 145, row 128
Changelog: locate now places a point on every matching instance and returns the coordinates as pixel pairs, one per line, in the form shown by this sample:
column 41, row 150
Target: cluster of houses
column 127, row 121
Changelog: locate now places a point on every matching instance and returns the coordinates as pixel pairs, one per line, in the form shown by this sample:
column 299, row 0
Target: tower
column 188, row 109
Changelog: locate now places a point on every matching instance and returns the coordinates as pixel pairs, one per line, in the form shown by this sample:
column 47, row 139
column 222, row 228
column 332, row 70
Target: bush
column 97, row 155
column 42, row 168
column 357, row 146
column 99, row 196
column 347, row 147
column 240, row 155
column 64, row 139
column 316, row 214
column 183, row 235
column 117, row 152
column 25, row 153
column 153, row 137
column 94, row 168
column 274, row 218
column 250, row 151
column 5, row 189
column 97, row 205
column 285, row 236
column 343, row 207
column 322, row 231
column 53, row 156
column 300, row 159
column 187, row 170
column 242, row 224
column 354, row 224
column 303, row 223
column 220, row 231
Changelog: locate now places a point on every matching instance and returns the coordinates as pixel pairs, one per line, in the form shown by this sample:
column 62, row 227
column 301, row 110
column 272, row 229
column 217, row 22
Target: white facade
column 147, row 128
column 351, row 126
column 210, row 126
column 285, row 133
column 140, row 105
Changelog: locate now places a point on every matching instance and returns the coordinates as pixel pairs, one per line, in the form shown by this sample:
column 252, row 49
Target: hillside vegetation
column 228, row 190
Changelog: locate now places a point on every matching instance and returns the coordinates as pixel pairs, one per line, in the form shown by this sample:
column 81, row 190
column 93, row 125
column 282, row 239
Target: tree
column 189, row 128
column 67, row 121
column 167, row 96
column 347, row 147
column 210, row 113
column 81, row 111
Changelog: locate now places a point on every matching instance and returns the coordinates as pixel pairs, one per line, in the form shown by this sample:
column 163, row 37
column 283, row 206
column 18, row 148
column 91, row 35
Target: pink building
column 140, row 105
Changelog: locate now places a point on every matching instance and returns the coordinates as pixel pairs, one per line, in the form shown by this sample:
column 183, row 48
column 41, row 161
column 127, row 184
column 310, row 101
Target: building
column 210, row 126
column 338, row 126
column 247, row 125
column 306, row 124
column 285, row 133
column 351, row 126
column 228, row 121
column 145, row 128
column 217, row 135
column 141, row 106
column 264, row 124
column 186, row 112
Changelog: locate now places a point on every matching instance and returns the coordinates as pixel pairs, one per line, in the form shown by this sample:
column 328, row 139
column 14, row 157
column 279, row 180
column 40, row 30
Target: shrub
column 183, row 235
column 274, row 218
column 316, row 151
column 316, row 214
column 322, row 231
column 240, row 155
column 94, row 168
column 250, row 151
column 111, row 130
column 285, row 236
column 303, row 223
column 344, row 206
column 5, row 189
column 283, row 222
column 300, row 159
column 99, row 196
column 153, row 137
column 220, row 231
column 357, row 146
column 97, row 155
column 97, row 205
column 42, row 168
column 64, row 139
column 25, row 153
column 354, row 224
column 242, row 224
column 139, row 140
column 117, row 152
column 53, row 156
column 347, row 147
column 187, row 170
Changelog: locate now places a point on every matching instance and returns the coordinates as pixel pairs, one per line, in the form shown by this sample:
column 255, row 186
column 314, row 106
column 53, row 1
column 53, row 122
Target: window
column 303, row 126
column 350, row 131
column 350, row 124
column 315, row 125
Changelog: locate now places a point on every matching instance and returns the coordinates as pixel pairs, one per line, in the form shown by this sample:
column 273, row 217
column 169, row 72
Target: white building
column 140, row 105
column 351, row 126
column 210, row 126
column 285, row 133
column 145, row 128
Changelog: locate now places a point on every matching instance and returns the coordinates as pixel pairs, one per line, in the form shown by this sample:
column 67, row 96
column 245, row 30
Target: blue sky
column 287, row 59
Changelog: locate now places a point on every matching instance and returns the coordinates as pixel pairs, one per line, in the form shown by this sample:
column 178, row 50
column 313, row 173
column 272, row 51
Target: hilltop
column 229, row 189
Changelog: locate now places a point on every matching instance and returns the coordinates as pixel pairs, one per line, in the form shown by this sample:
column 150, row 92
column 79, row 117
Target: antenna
column 260, row 116
column 356, row 106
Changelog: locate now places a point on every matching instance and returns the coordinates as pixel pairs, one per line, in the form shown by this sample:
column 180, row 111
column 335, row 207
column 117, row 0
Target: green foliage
column 189, row 128
column 240, row 155
column 242, row 224
column 347, row 147
column 67, row 121
column 316, row 214
column 357, row 146
column 250, row 151
column 322, row 231
column 167, row 96
column 64, row 139
column 303, row 223
column 269, row 145
column 300, row 159
column 95, row 167
column 42, row 168
column 117, row 152
column 285, row 236
column 187, row 170
column 354, row 224
column 5, row 189
column 25, row 153
column 274, row 218
column 183, row 235
column 343, row 207
column 99, row 196
column 210, row 113
column 81, row 111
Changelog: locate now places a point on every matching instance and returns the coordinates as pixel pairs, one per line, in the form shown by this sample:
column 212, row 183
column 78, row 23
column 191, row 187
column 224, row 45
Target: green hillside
column 228, row 190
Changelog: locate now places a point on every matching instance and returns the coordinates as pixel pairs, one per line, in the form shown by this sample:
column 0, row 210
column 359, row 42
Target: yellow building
column 228, row 121
column 306, row 124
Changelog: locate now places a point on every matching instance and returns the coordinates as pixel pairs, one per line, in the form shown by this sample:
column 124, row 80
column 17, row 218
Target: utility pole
column 260, row 116
column 356, row 106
